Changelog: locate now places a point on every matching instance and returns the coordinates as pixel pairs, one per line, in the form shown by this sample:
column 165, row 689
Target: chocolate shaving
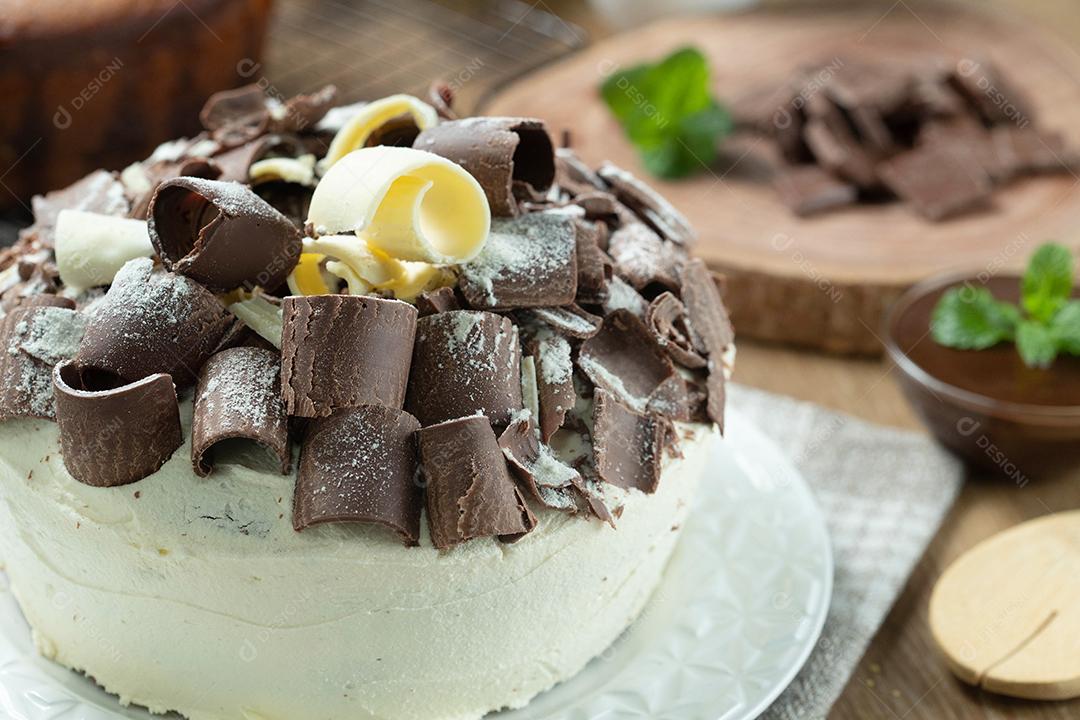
column 623, row 296
column 148, row 323
column 302, row 112
column 234, row 117
column 46, row 300
column 99, row 192
column 343, row 351
column 668, row 320
column 807, row 190
column 222, row 234
column 509, row 157
column 116, row 435
column 649, row 205
column 937, row 188
column 470, row 492
column 441, row 97
column 594, row 267
column 570, row 321
column 34, row 339
column 573, row 175
column 235, row 163
column 465, row 362
column 624, row 359
column 529, row 261
column 629, row 446
column 436, row 301
column 710, row 329
column 554, row 381
column 643, row 258
column 544, row 477
column 359, row 465
column 239, row 398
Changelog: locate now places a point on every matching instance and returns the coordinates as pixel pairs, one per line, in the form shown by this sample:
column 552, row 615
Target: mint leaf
column 1036, row 344
column 1065, row 328
column 668, row 112
column 1048, row 281
column 970, row 318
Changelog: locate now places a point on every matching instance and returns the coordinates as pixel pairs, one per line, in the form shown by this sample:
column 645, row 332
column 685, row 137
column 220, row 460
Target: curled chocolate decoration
column 710, row 328
column 647, row 204
column 570, row 321
column 359, row 465
column 465, row 363
column 594, row 267
column 470, row 492
column 624, row 359
column 235, row 163
column 441, row 97
column 222, row 234
column 503, row 154
column 234, row 117
column 302, row 112
column 115, row 436
column 668, row 321
column 342, row 351
column 629, row 446
column 643, row 258
column 239, row 397
column 148, row 323
column 33, row 339
column 529, row 261
column 554, row 381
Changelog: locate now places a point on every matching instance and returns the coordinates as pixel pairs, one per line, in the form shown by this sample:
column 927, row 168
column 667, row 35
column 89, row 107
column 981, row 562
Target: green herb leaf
column 1065, row 328
column 668, row 112
column 969, row 318
column 1048, row 281
column 1036, row 344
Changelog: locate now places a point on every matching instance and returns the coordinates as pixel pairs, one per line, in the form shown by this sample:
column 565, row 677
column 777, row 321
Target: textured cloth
column 884, row 492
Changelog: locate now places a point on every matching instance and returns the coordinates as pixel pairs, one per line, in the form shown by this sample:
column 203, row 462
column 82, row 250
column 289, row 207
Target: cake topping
column 648, row 204
column 359, row 465
column 529, row 261
column 152, row 322
column 222, row 234
column 571, row 321
column 239, row 397
column 234, row 117
column 410, row 204
column 33, row 339
column 669, row 323
column 545, row 478
column 594, row 266
column 465, row 362
column 91, row 248
column 99, row 192
column 512, row 158
column 554, row 381
column 470, row 493
column 115, row 435
column 710, row 328
column 343, row 351
column 395, row 120
column 236, row 164
column 624, row 359
column 437, row 301
column 643, row 258
column 628, row 445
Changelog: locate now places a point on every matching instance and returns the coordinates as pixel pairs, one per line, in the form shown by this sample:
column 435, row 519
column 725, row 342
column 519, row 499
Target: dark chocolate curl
column 629, row 446
column 465, row 363
column 148, row 323
column 221, row 234
column 625, row 360
column 33, row 339
column 710, row 328
column 343, row 351
column 118, row 435
column 302, row 112
column 235, row 163
column 470, row 492
column 99, row 192
column 648, row 205
column 554, row 381
column 239, row 398
column 595, row 268
column 505, row 155
column 643, row 258
column 668, row 321
column 359, row 465
column 570, row 321
column 235, row 116
column 529, row 261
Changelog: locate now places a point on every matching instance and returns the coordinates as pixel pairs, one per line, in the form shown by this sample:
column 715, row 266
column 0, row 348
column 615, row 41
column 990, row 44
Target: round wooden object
column 1007, row 613
column 826, row 281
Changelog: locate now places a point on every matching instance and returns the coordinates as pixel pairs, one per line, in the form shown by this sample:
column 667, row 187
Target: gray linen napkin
column 884, row 492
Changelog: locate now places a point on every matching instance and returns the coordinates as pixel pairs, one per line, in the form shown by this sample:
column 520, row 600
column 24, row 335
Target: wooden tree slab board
column 826, row 282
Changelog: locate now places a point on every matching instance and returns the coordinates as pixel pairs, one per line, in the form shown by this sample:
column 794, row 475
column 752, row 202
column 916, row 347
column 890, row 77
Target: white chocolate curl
column 371, row 117
column 409, row 204
column 262, row 316
column 91, row 248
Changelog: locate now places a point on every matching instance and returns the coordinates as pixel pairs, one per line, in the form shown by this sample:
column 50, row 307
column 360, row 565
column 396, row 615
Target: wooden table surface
column 901, row 676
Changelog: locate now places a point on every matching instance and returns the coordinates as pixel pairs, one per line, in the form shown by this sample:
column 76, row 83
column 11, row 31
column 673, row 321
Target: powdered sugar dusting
column 527, row 249
column 240, row 384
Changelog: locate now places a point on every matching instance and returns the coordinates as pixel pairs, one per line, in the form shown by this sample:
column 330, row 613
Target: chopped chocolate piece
column 624, row 359
column 528, row 261
column 937, row 181
column 648, row 204
column 807, row 189
column 359, row 465
column 716, row 398
column 342, row 351
column 470, row 492
column 673, row 399
column 234, row 117
column 877, row 86
column 643, row 258
column 437, row 301
column 968, row 137
column 500, row 153
column 115, row 435
column 573, row 175
column 1026, row 150
column 597, row 205
column 239, row 398
column 465, row 362
column 594, row 267
column 623, row 296
column 545, row 478
column 709, row 323
column 222, row 234
column 570, row 321
column 148, row 323
column 990, row 93
column 99, row 192
column 33, row 339
column 554, row 381
column 668, row 320
column 629, row 446
column 836, row 149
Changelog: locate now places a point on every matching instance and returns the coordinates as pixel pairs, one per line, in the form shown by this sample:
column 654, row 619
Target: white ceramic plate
column 741, row 606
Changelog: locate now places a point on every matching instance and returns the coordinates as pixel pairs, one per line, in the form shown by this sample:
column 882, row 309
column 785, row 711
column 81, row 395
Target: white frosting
column 195, row 594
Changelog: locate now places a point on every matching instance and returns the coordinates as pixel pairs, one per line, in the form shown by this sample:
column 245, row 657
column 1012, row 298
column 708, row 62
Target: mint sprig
column 669, row 113
column 1046, row 324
